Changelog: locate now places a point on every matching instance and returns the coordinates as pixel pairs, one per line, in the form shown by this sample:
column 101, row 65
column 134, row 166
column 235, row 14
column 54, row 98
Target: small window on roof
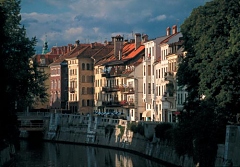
column 42, row 61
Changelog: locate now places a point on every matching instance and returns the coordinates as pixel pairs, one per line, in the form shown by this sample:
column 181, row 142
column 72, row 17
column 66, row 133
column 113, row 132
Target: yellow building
column 81, row 77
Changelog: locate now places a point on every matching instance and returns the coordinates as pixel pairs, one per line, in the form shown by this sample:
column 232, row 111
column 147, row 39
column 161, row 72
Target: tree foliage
column 21, row 80
column 136, row 127
column 211, row 68
column 163, row 131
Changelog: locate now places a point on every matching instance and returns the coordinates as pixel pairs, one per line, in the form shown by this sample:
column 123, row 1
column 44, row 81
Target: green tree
column 163, row 131
column 21, row 81
column 211, row 68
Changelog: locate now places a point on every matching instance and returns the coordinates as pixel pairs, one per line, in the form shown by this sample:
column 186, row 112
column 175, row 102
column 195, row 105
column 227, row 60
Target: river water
column 46, row 154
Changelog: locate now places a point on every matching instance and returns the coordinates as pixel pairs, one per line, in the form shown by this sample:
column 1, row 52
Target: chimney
column 69, row 47
column 118, row 45
column 168, row 31
column 65, row 49
column 92, row 45
column 174, row 29
column 137, row 40
column 120, row 55
column 144, row 38
column 77, row 42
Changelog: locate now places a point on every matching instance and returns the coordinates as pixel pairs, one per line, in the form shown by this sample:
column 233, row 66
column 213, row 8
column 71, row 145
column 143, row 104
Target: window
column 42, row 61
column 149, row 88
column 149, row 70
column 89, row 91
column 89, row 79
column 144, row 88
column 91, row 67
column 144, row 70
column 83, row 103
column 88, row 66
column 83, row 78
column 153, row 88
column 83, row 66
column 178, row 98
column 59, row 84
column 83, row 90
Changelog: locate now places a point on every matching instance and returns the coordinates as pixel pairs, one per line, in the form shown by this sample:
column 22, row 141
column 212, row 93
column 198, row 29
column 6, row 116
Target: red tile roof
column 134, row 52
column 85, row 50
column 128, row 52
column 169, row 37
column 49, row 58
column 103, row 52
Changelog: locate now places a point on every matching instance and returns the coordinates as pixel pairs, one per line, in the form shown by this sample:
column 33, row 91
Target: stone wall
column 92, row 130
column 82, row 129
column 232, row 145
column 6, row 156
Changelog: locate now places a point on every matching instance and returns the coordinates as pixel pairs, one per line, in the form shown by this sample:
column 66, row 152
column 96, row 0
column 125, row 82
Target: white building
column 152, row 53
column 159, row 77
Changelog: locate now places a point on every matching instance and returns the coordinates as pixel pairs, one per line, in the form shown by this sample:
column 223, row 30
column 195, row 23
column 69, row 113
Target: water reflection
column 45, row 154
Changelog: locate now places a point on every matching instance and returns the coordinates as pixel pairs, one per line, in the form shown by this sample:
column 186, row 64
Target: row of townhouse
column 133, row 80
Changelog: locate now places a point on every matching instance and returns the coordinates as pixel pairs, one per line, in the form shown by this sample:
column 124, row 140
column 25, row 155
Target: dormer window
column 42, row 61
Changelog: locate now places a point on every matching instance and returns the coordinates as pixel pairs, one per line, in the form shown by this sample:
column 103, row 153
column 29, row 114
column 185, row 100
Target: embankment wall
column 92, row 130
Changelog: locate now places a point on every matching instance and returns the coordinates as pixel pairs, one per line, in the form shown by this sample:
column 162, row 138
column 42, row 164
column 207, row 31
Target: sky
column 62, row 22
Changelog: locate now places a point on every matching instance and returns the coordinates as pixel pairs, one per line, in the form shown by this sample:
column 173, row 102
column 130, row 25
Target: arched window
column 83, row 66
column 88, row 66
column 88, row 103
column 83, row 103
column 91, row 67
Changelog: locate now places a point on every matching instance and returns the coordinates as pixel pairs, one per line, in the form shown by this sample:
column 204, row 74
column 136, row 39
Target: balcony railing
column 128, row 104
column 114, row 72
column 128, row 90
column 111, row 103
column 110, row 89
column 72, row 90
column 169, row 76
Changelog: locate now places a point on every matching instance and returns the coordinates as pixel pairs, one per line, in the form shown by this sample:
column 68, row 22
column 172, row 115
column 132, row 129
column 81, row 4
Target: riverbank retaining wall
column 6, row 156
column 92, row 130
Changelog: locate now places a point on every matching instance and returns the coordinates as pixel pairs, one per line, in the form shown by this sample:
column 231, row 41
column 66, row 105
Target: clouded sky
column 65, row 21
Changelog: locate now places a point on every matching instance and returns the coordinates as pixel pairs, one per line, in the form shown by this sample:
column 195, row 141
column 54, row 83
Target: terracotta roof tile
column 103, row 52
column 128, row 52
column 49, row 58
column 134, row 52
column 168, row 38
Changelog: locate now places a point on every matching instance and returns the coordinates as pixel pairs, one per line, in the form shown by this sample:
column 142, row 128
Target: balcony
column 169, row 76
column 128, row 104
column 110, row 89
column 127, row 90
column 115, row 71
column 72, row 90
column 111, row 104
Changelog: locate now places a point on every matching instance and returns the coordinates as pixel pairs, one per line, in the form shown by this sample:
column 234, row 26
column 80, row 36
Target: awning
column 146, row 114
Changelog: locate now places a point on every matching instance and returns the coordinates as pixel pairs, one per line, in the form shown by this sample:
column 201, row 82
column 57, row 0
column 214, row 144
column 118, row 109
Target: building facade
column 116, row 91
